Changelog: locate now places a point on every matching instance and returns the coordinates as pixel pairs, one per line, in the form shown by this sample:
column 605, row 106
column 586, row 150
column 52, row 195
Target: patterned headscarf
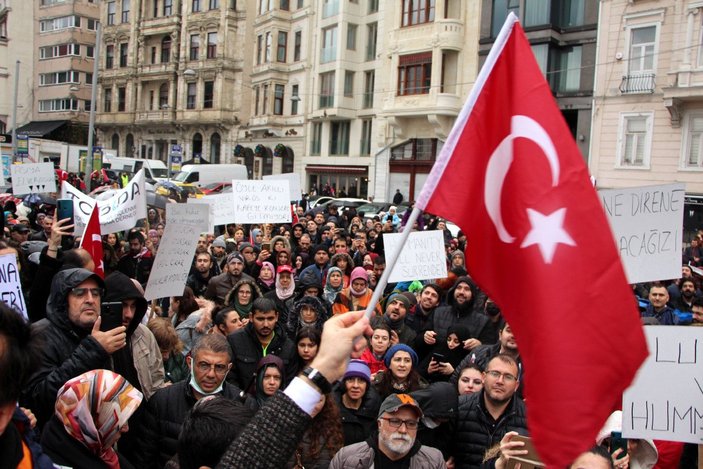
column 93, row 407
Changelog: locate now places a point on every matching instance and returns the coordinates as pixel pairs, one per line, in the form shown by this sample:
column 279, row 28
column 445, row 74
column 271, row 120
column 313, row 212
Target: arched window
column 197, row 145
column 215, row 144
column 163, row 96
column 129, row 144
column 115, row 143
column 166, row 49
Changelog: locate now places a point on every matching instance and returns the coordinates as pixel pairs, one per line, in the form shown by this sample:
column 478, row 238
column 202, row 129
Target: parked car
column 217, row 188
column 340, row 203
column 317, row 200
column 372, row 209
column 167, row 188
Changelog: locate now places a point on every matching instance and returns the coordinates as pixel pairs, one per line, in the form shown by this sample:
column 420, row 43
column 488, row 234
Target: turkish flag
column 93, row 242
column 511, row 176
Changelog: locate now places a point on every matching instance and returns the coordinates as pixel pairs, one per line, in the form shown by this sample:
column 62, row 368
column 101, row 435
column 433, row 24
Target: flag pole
column 390, row 262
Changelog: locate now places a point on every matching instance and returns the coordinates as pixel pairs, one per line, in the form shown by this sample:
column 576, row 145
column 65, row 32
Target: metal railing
column 639, row 83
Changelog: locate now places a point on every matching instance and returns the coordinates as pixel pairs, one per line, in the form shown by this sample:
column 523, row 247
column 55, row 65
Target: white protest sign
column 172, row 263
column 293, row 182
column 196, row 215
column 221, row 209
column 261, row 201
column 118, row 213
column 647, row 224
column 33, row 178
column 10, row 285
column 422, row 258
column 665, row 402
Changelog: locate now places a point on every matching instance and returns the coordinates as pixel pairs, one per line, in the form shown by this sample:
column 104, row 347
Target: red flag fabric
column 511, row 176
column 93, row 242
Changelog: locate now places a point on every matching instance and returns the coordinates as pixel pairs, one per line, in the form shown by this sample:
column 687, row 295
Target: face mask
column 194, row 384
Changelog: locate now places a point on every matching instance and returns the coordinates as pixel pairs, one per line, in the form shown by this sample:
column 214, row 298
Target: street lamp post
column 14, row 111
column 93, row 96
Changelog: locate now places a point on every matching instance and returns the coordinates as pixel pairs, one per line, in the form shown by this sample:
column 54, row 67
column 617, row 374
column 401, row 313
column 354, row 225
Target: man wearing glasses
column 396, row 446
column 486, row 416
column 210, row 360
column 73, row 341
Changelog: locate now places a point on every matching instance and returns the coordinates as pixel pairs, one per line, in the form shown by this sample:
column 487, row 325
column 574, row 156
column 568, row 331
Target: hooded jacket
column 440, row 403
column 646, row 454
column 294, row 323
column 452, row 315
column 144, row 349
column 358, row 424
column 362, row 455
column 68, row 350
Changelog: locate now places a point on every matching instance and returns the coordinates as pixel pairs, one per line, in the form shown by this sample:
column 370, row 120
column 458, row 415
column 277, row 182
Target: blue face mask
column 194, row 384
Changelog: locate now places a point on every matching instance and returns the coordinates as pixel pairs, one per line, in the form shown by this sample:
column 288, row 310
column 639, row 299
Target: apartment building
column 63, row 50
column 648, row 101
column 15, row 23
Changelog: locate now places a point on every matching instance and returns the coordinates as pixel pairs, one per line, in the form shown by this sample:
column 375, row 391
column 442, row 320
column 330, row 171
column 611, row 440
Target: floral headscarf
column 93, row 407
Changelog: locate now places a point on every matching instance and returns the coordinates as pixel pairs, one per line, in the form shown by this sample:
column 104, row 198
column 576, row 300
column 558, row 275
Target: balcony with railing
column 639, row 83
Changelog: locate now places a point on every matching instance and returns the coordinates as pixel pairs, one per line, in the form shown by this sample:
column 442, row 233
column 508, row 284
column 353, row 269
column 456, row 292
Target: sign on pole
column 118, row 213
column 10, row 285
column 665, row 402
column 293, row 182
column 33, row 178
column 176, row 158
column 195, row 215
column 261, row 201
column 647, row 224
column 22, row 146
column 172, row 263
column 422, row 258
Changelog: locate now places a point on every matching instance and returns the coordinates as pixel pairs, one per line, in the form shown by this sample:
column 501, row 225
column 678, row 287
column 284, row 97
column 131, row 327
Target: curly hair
column 325, row 432
column 384, row 384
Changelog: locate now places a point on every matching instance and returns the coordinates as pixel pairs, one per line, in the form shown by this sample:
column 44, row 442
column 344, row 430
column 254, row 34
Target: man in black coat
column 73, row 341
column 262, row 336
column 486, row 416
column 210, row 361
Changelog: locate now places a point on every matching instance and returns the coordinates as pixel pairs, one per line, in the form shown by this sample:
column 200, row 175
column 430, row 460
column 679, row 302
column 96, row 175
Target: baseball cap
column 396, row 401
column 284, row 268
column 19, row 228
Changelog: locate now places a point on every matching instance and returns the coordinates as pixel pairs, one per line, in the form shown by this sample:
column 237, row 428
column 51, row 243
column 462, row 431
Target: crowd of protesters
column 197, row 379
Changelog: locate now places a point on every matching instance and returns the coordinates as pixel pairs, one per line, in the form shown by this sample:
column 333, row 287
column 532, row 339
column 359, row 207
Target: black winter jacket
column 67, row 351
column 475, row 433
column 451, row 315
column 248, row 351
column 357, row 424
column 440, row 402
column 166, row 411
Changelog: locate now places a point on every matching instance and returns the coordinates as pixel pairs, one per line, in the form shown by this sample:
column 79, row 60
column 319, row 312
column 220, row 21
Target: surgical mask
column 194, row 384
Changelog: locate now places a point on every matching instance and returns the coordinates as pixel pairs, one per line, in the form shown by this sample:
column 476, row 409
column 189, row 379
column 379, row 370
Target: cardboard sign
column 10, row 285
column 665, row 402
column 261, row 201
column 221, row 209
column 33, row 178
column 422, row 258
column 172, row 263
column 293, row 182
column 196, row 215
column 647, row 224
column 118, row 213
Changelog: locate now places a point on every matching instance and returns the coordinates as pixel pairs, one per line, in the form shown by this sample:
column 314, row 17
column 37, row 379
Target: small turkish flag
column 511, row 176
column 93, row 242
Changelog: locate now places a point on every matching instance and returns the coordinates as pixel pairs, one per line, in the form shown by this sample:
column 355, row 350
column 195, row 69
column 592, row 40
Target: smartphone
column 64, row 209
column 530, row 460
column 266, row 247
column 111, row 314
column 439, row 358
column 618, row 442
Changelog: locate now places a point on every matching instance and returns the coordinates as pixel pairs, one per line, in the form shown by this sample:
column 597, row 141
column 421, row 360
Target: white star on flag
column 547, row 231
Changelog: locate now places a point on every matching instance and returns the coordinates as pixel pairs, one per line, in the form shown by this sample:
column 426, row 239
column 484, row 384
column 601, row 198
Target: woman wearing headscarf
column 285, row 289
column 91, row 414
column 446, row 355
column 333, row 284
column 308, row 311
column 357, row 296
column 241, row 297
column 269, row 377
column 266, row 278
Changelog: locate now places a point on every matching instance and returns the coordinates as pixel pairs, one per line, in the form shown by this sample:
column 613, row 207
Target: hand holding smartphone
column 111, row 315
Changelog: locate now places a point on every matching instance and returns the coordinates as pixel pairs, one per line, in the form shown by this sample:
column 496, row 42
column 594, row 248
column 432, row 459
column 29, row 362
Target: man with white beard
column 395, row 445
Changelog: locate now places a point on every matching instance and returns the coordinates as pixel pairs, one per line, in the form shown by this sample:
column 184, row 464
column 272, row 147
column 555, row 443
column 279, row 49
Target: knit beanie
column 359, row 272
column 358, row 369
column 400, row 297
column 400, row 348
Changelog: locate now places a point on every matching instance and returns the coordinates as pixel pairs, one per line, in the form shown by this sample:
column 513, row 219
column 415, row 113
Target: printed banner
column 10, row 285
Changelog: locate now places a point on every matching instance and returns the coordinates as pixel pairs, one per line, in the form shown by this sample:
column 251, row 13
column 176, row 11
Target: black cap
column 19, row 228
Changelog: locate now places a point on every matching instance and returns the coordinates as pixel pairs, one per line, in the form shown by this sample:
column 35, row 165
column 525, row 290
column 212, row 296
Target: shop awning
column 331, row 169
column 40, row 128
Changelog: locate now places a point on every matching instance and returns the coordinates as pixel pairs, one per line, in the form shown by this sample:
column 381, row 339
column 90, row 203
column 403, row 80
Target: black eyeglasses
column 80, row 292
column 397, row 423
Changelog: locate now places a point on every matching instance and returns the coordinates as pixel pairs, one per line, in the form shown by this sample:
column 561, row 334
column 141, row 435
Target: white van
column 155, row 170
column 204, row 174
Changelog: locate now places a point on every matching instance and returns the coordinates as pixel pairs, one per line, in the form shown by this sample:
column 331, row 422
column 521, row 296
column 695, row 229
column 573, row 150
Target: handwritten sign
column 261, row 201
column 196, row 215
column 293, row 182
column 10, row 285
column 422, row 258
column 221, row 209
column 647, row 224
column 118, row 213
column 173, row 261
column 33, row 178
column 665, row 402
